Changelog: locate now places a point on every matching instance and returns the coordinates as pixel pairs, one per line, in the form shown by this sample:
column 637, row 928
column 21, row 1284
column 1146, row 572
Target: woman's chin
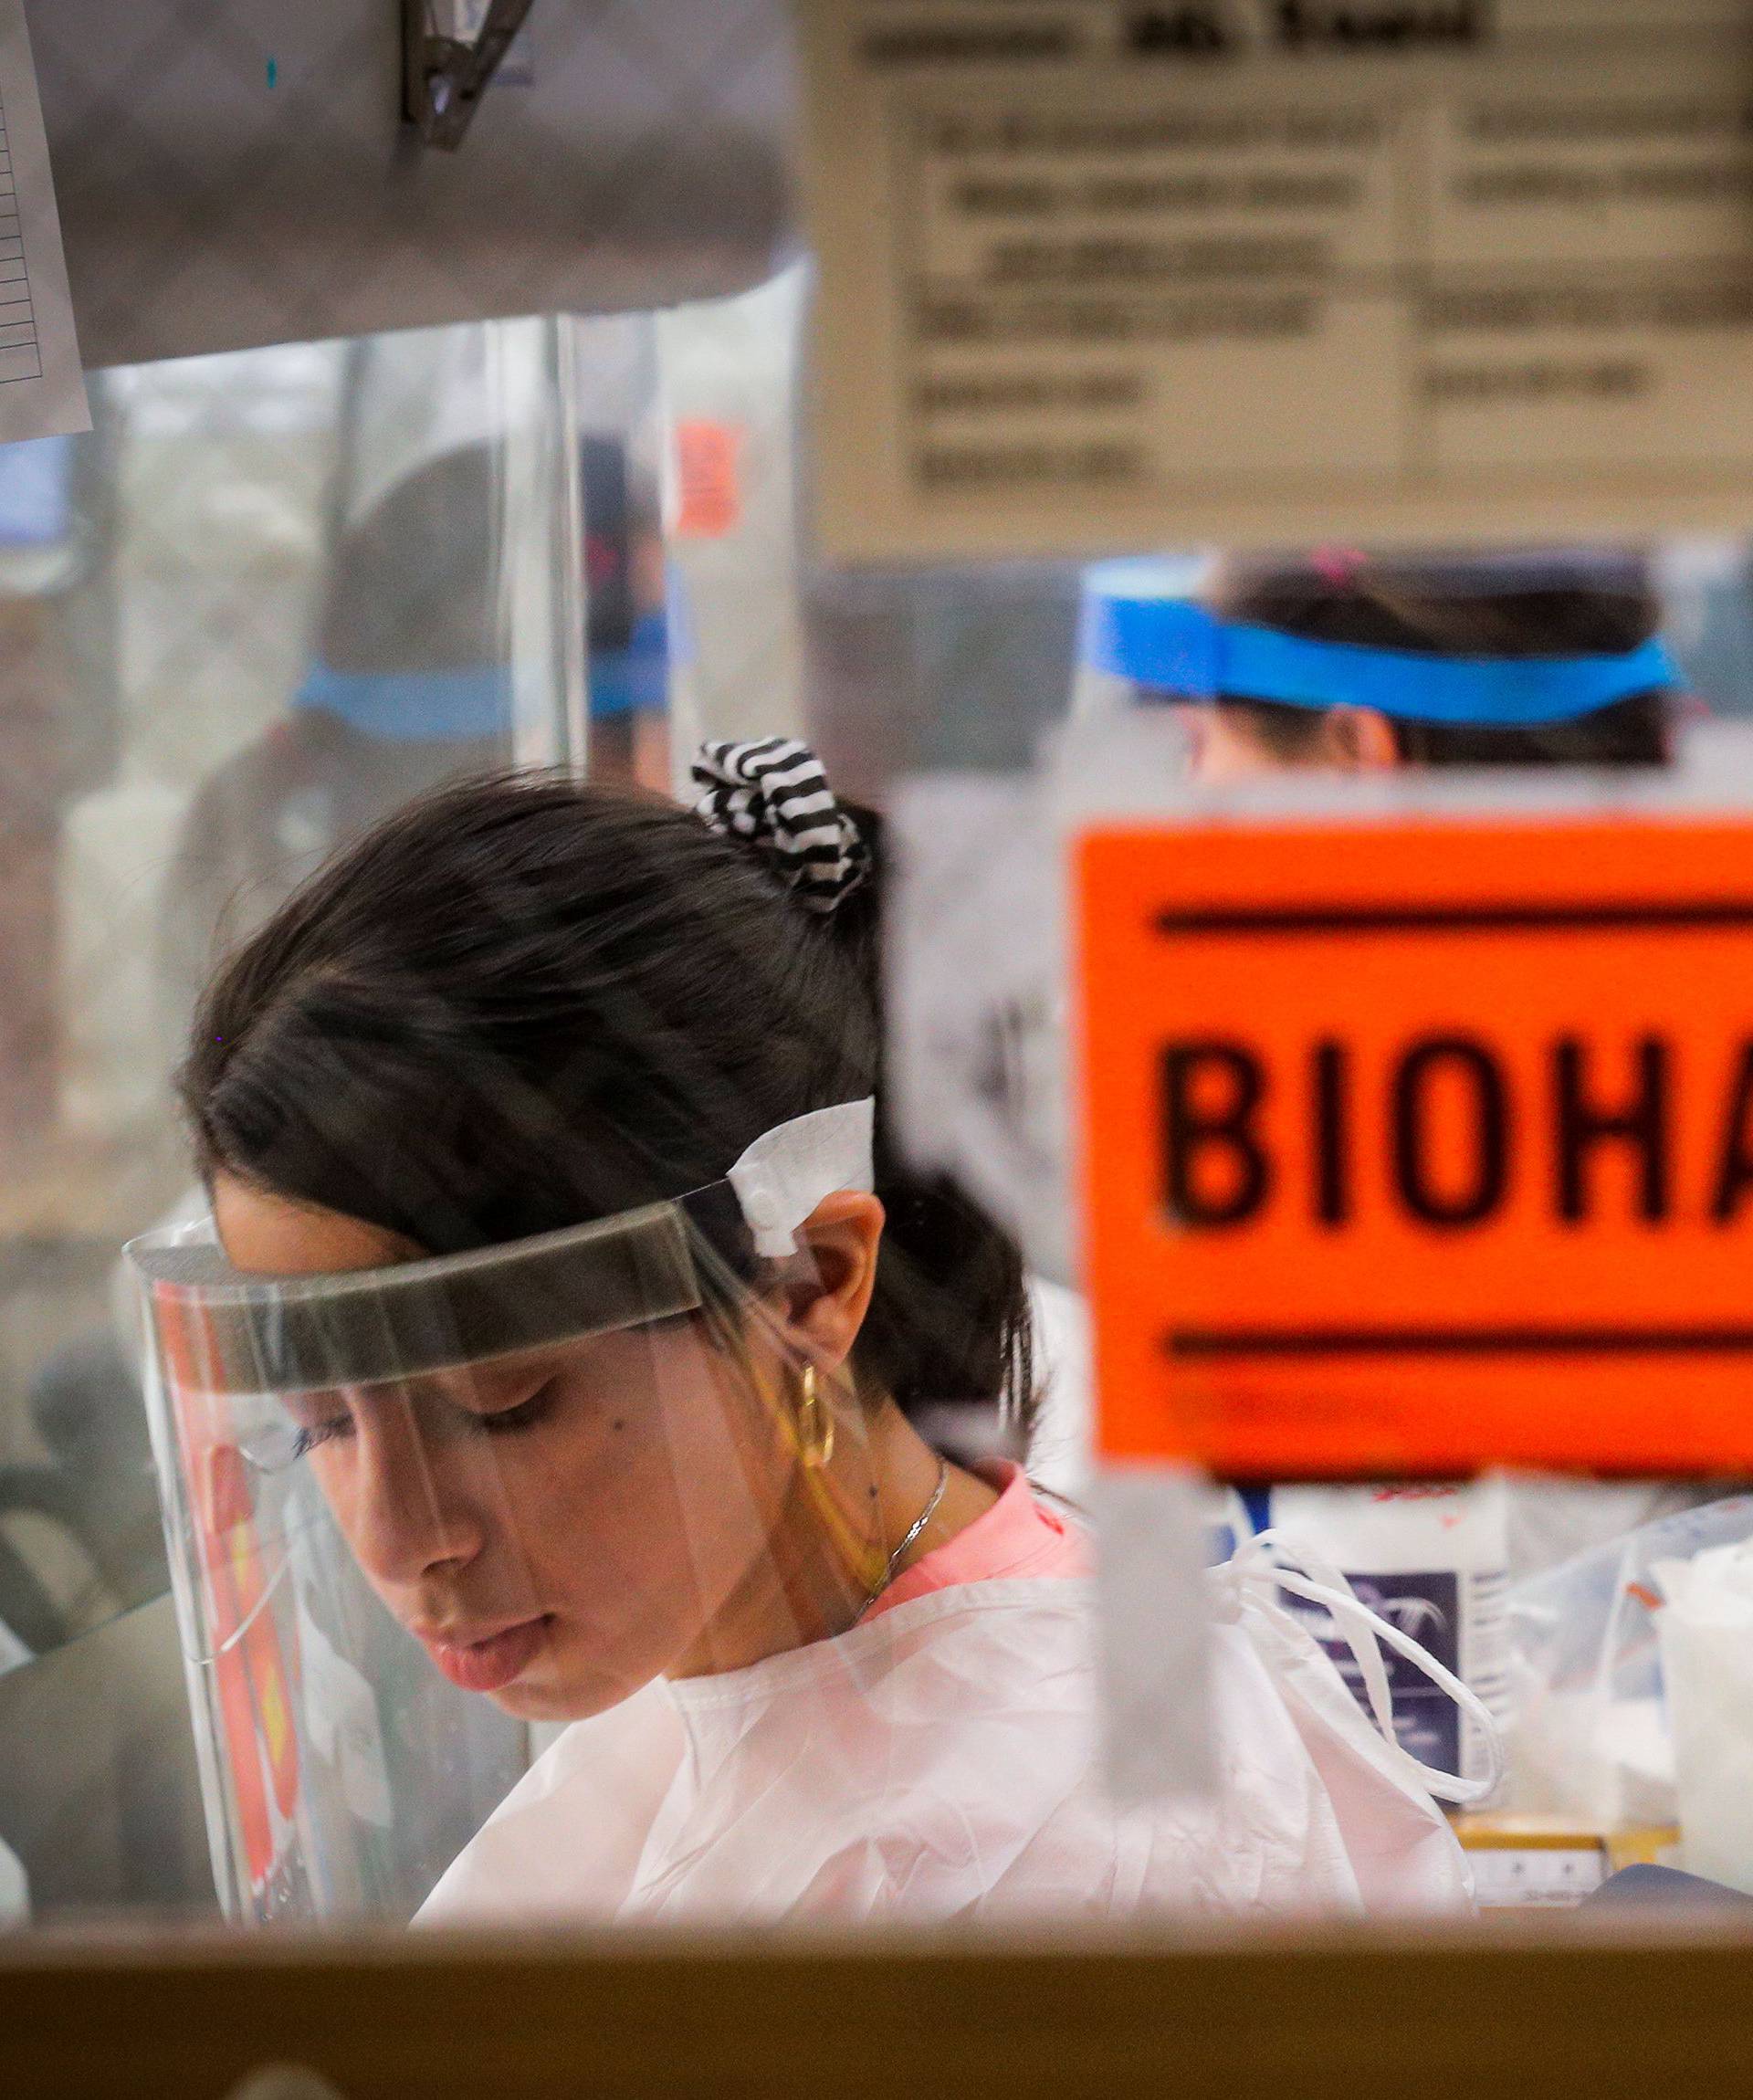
column 548, row 1691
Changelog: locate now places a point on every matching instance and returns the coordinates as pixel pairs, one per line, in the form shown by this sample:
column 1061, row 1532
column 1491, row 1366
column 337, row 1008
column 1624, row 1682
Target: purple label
column 1427, row 1609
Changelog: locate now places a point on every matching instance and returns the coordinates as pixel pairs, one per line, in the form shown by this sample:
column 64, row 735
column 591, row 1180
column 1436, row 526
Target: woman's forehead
column 273, row 1235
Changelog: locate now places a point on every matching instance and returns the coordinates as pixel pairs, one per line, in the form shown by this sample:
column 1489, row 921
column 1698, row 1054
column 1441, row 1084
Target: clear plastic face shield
column 413, row 1508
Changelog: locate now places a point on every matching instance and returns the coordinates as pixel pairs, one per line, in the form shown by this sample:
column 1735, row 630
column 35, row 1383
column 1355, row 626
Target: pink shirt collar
column 1019, row 1535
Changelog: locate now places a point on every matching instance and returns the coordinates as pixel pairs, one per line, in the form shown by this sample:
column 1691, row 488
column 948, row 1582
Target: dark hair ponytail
column 523, row 1002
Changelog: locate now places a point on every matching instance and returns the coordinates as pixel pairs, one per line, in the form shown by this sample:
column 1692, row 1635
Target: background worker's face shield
column 1145, row 638
column 414, row 1507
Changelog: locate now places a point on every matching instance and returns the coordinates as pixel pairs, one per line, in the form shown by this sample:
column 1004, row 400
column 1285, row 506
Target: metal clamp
column 443, row 76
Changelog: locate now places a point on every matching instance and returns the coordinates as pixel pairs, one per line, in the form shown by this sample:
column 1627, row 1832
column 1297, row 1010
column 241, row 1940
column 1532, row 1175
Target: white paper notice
column 1097, row 275
column 1155, row 1611
column 42, row 387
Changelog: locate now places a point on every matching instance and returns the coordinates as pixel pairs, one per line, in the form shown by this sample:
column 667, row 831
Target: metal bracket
column 443, row 76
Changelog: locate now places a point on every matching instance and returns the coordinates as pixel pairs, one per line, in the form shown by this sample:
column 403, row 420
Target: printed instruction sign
column 1100, row 275
column 42, row 387
column 1414, row 1149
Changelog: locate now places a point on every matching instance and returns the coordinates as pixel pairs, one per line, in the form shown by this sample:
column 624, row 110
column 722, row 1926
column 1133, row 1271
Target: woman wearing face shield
column 556, row 1221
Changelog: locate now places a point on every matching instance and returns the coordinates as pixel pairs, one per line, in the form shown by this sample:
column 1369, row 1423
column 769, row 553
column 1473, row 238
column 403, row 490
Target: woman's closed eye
column 316, row 1430
column 526, row 1415
column 311, row 1435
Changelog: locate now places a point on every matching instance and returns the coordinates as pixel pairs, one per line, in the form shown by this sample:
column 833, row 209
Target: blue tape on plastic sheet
column 467, row 706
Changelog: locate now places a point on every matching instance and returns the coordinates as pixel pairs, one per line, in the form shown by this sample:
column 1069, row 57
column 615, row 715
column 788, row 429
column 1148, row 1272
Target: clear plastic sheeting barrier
column 103, row 1801
column 271, row 599
column 268, row 600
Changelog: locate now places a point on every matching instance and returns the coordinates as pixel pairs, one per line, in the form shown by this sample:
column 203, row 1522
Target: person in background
column 627, row 620
column 408, row 686
column 1341, row 662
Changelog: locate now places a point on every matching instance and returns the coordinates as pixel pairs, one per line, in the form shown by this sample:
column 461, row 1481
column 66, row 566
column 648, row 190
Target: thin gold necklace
column 913, row 1531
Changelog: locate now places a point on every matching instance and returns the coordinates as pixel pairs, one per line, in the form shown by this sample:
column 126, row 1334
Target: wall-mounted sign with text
column 1096, row 274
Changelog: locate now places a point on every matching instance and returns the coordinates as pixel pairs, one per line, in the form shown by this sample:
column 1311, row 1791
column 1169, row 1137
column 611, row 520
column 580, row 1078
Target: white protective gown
column 939, row 1762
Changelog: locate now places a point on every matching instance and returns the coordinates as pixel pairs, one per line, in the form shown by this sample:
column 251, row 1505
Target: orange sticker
column 1421, row 1149
column 709, row 479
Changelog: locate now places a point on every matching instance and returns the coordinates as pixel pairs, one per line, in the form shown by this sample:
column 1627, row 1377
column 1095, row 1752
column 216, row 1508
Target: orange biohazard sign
column 1417, row 1148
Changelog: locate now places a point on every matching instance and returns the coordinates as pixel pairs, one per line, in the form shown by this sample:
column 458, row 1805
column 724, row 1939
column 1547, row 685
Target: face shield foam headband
column 226, row 1330
column 1185, row 652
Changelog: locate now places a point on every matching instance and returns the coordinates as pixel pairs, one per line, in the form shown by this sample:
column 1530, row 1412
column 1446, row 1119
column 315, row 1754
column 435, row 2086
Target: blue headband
column 415, row 707
column 1184, row 650
column 633, row 681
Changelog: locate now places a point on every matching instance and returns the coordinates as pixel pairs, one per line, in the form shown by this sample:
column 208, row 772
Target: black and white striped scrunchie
column 775, row 797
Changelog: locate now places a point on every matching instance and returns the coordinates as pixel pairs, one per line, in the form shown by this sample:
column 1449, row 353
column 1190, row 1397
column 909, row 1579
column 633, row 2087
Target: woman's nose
column 414, row 1507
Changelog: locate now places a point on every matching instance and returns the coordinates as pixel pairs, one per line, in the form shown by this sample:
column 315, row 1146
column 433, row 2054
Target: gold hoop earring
column 814, row 1423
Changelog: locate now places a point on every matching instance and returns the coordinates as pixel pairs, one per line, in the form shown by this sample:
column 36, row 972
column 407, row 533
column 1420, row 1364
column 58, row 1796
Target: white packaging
column 1433, row 1562
column 1151, row 1533
column 115, row 851
column 1591, row 1742
column 15, row 1888
column 1707, row 1634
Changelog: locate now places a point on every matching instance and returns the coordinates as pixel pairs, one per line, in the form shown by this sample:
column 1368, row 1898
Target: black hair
column 1451, row 606
column 524, row 1002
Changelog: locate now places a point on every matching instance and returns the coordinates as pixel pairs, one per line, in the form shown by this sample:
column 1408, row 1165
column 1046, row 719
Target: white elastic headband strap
column 783, row 1175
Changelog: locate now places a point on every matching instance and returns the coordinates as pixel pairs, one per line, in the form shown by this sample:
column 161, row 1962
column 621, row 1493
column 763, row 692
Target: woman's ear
column 827, row 1287
column 1359, row 741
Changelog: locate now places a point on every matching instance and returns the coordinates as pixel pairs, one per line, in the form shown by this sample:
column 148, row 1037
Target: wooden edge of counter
column 1581, row 2004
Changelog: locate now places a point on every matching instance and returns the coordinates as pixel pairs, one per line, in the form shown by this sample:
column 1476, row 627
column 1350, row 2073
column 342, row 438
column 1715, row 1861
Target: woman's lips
column 491, row 1665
